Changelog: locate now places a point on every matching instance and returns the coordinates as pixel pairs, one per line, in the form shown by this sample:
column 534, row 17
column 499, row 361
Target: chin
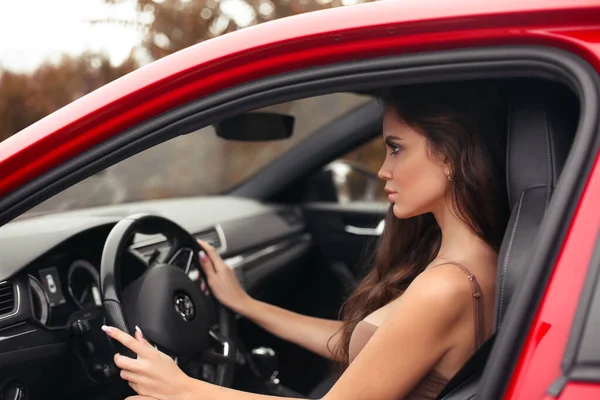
column 403, row 212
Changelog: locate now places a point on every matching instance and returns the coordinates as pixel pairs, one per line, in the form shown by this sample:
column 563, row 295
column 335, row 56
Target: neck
column 457, row 238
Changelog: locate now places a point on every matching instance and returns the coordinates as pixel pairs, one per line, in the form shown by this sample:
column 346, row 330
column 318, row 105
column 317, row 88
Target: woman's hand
column 153, row 374
column 222, row 280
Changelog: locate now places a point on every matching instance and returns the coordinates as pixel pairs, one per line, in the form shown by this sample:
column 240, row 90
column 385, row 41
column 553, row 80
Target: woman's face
column 416, row 181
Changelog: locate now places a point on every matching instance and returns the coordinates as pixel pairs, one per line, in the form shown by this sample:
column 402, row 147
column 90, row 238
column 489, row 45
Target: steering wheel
column 173, row 312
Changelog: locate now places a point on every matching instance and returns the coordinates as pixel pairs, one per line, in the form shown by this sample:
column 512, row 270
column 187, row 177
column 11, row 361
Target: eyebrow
column 390, row 138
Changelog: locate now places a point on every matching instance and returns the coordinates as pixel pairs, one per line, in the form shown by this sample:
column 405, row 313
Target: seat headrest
column 542, row 122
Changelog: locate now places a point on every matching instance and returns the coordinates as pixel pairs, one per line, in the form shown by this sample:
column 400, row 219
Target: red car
column 293, row 220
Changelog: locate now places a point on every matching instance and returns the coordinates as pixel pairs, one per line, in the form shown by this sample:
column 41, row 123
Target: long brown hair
column 465, row 125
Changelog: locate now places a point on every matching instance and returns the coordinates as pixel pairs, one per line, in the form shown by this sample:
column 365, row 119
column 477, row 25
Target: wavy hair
column 465, row 126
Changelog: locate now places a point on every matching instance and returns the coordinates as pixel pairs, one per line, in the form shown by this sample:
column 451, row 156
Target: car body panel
column 578, row 391
column 313, row 39
column 540, row 362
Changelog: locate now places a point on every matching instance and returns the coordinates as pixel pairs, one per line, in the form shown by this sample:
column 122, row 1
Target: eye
column 392, row 146
column 395, row 149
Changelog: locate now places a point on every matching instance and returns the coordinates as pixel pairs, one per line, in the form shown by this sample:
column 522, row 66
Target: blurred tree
column 168, row 26
column 26, row 98
column 173, row 25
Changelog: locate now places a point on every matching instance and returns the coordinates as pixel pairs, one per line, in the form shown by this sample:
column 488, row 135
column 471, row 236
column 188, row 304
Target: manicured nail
column 106, row 329
column 137, row 328
column 203, row 256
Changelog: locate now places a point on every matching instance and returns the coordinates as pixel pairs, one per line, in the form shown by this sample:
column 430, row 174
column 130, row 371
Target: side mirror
column 255, row 127
column 353, row 182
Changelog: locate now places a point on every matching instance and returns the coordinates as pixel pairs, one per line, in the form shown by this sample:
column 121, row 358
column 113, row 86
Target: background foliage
column 170, row 25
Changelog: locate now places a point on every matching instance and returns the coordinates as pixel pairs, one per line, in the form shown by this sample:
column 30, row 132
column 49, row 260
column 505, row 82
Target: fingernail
column 106, row 329
column 202, row 256
column 137, row 328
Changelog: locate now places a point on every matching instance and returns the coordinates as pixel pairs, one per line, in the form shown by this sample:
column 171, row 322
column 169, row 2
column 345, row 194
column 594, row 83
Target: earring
column 448, row 175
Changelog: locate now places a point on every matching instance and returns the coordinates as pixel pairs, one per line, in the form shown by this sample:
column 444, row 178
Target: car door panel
column 346, row 234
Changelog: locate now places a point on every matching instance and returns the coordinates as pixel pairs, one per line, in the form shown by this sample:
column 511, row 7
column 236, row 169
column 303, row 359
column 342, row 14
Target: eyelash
column 395, row 149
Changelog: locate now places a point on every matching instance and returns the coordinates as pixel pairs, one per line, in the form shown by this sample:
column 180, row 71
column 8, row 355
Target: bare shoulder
column 434, row 305
column 442, row 282
column 443, row 290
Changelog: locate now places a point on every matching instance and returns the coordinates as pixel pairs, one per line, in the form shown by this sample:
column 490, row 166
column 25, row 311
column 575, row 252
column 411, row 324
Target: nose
column 384, row 173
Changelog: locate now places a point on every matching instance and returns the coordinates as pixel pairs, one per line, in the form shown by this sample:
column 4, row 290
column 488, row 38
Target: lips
column 391, row 194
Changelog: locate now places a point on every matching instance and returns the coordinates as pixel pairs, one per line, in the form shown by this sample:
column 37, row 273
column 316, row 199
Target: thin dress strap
column 477, row 303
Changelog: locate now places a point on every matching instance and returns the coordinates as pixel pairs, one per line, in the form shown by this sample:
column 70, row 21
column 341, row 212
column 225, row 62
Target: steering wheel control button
column 184, row 306
column 103, row 371
column 108, row 371
column 97, row 371
column 81, row 327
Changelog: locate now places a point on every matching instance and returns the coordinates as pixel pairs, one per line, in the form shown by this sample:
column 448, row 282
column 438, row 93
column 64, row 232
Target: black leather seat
column 542, row 121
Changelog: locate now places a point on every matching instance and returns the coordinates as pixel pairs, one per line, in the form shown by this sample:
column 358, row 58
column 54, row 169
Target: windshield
column 197, row 164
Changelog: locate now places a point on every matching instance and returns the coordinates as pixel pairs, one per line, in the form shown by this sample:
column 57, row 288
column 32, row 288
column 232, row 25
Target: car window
column 355, row 174
column 199, row 163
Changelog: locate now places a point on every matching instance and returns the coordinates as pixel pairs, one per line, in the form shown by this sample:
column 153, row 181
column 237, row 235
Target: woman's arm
column 419, row 330
column 312, row 333
column 315, row 334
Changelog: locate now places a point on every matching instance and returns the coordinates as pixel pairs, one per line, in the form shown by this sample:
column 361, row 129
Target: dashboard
column 67, row 279
column 50, row 298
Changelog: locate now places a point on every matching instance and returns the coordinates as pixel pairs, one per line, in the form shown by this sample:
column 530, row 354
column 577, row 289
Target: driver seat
column 542, row 121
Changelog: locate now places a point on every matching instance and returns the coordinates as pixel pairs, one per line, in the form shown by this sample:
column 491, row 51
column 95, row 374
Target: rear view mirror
column 256, row 126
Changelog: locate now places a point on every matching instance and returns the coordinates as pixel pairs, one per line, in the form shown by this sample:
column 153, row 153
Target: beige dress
column 433, row 383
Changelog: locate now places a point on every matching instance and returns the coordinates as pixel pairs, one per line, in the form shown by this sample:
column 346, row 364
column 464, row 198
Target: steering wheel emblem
column 185, row 306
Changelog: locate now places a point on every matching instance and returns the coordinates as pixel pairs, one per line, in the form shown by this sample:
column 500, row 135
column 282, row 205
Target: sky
column 33, row 31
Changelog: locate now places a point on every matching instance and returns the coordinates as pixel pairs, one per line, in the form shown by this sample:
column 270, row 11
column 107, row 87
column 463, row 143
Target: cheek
column 420, row 184
column 416, row 172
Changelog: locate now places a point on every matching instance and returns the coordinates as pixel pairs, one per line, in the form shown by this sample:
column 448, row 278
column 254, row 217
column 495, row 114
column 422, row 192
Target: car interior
column 299, row 233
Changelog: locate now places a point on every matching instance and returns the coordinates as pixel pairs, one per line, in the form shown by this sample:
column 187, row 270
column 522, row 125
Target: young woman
column 428, row 302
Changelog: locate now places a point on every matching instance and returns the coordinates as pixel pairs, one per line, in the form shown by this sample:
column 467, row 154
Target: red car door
column 540, row 364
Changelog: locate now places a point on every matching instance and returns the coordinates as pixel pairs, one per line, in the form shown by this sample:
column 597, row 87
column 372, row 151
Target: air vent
column 212, row 237
column 7, row 298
